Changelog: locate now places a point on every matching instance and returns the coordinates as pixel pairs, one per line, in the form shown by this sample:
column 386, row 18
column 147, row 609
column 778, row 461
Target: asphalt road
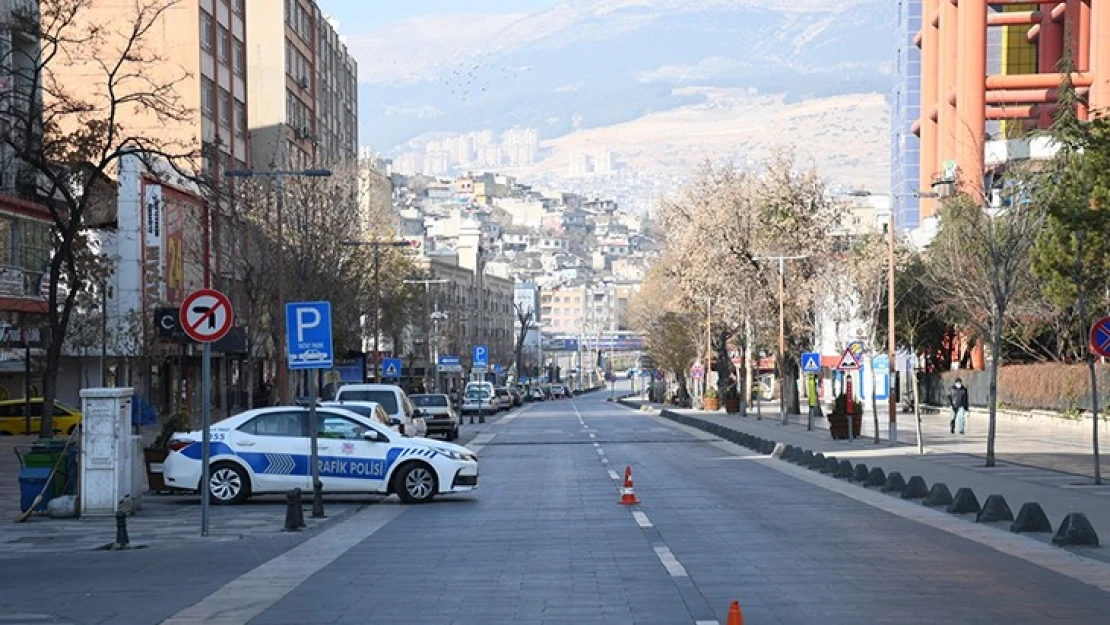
column 545, row 541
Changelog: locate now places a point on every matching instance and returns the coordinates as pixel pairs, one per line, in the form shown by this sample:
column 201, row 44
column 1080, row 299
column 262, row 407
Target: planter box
column 154, row 459
column 732, row 406
column 838, row 425
column 711, row 403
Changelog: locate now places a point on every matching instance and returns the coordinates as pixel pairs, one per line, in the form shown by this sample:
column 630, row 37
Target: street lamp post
column 279, row 183
column 782, row 329
column 892, row 406
column 377, row 244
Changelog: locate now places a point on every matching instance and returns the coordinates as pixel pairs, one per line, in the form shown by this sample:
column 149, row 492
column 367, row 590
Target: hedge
column 1047, row 386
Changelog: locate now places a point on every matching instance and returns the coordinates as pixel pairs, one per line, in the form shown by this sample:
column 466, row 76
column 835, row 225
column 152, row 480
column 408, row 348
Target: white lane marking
column 613, row 475
column 600, row 451
column 707, row 623
column 671, row 563
column 592, row 435
column 604, row 460
column 641, row 519
column 597, row 444
column 251, row 594
column 480, row 441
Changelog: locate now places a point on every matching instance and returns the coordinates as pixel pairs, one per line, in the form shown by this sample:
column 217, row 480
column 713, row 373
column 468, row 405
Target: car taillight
column 178, row 444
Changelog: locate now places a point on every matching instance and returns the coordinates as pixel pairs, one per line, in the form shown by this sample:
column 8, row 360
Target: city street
column 545, row 541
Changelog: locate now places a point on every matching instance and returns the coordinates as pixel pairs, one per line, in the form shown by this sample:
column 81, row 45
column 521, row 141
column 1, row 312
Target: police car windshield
column 387, row 399
column 429, row 401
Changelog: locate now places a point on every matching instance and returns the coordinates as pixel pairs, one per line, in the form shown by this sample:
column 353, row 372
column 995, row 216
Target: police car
column 267, row 450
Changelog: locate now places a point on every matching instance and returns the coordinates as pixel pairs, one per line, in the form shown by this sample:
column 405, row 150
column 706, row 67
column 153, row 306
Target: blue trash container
column 32, row 481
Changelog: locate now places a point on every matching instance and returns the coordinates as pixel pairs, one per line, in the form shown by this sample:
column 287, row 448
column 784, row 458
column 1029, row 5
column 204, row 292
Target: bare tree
column 526, row 317
column 978, row 263
column 867, row 273
column 70, row 133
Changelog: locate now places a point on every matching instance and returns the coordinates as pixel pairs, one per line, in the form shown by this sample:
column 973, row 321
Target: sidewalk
column 949, row 462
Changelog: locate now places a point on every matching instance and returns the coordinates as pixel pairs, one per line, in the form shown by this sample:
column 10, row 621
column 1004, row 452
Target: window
column 286, row 424
column 34, row 245
column 207, row 96
column 335, row 426
column 7, row 226
column 237, row 6
column 225, row 106
column 224, row 45
column 240, row 59
column 205, row 30
column 240, row 118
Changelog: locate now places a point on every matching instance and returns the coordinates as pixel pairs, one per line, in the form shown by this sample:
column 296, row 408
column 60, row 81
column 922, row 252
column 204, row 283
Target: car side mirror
column 395, row 421
column 417, row 413
column 373, row 436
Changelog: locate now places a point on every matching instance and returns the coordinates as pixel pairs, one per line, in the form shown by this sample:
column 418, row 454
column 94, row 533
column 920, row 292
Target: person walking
column 958, row 398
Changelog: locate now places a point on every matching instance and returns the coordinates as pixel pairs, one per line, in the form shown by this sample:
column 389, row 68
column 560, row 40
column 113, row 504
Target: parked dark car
column 438, row 414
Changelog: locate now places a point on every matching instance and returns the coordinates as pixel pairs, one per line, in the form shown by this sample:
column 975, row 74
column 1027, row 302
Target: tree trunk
column 917, row 408
column 992, row 396
column 789, row 376
column 874, row 401
column 1084, row 339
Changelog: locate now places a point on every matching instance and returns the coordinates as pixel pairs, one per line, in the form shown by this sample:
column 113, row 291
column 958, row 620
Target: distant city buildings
column 516, row 147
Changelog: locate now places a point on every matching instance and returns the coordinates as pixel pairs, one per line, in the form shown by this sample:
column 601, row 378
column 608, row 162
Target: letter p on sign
column 307, row 319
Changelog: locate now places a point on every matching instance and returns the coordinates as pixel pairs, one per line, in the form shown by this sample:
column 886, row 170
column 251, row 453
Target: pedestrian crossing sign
column 811, row 362
column 848, row 362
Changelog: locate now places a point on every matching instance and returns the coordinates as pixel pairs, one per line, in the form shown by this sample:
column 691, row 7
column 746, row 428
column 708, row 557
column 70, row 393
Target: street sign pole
column 206, row 317
column 317, row 487
column 206, row 426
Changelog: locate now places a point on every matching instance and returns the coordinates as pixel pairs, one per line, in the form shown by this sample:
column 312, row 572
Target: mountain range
column 592, row 64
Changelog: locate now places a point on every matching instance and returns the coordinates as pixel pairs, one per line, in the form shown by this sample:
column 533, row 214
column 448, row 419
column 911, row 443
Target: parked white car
column 478, row 400
column 268, row 450
column 393, row 400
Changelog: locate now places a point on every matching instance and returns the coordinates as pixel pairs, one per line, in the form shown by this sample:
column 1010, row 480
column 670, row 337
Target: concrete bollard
column 776, row 452
column 291, row 507
column 769, row 447
column 1075, row 531
column 939, row 495
column 300, row 507
column 1031, row 518
column 831, row 465
column 965, row 502
column 994, row 509
column 845, row 469
column 895, row 483
column 807, row 457
column 877, row 477
column 788, row 452
column 860, row 474
column 123, row 541
column 817, row 462
column 916, row 488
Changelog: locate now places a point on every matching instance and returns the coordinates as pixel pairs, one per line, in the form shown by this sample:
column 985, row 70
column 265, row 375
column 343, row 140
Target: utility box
column 108, row 452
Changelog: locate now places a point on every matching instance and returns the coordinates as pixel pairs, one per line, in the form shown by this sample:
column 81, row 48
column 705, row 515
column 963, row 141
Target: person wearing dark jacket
column 958, row 398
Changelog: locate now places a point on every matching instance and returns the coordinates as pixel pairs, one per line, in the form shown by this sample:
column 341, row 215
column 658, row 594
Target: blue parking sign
column 481, row 357
column 308, row 335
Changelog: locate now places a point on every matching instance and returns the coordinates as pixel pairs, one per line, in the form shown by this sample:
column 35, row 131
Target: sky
column 355, row 18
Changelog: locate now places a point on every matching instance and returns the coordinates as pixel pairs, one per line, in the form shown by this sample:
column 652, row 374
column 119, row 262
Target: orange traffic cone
column 628, row 496
column 735, row 617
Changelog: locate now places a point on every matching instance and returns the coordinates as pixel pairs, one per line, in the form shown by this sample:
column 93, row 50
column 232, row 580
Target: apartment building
column 305, row 113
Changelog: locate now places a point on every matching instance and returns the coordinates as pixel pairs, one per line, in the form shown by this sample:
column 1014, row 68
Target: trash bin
column 31, row 483
column 44, row 454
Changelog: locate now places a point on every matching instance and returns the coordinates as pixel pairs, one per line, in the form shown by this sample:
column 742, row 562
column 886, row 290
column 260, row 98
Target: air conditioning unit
column 303, row 81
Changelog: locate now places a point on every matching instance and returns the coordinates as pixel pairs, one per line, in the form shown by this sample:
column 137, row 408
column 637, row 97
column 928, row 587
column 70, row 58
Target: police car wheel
column 227, row 484
column 416, row 484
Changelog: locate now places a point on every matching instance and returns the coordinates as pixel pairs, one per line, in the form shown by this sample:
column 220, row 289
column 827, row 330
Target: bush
column 1043, row 386
column 840, row 406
